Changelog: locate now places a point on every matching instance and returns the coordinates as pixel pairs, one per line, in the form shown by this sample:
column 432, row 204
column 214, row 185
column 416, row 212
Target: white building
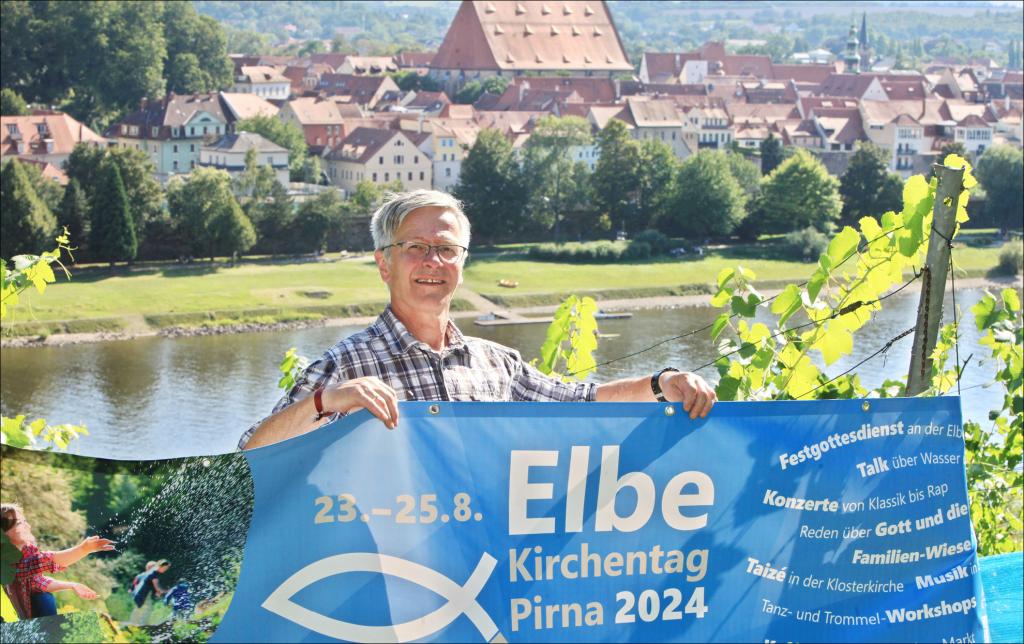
column 262, row 80
column 230, row 151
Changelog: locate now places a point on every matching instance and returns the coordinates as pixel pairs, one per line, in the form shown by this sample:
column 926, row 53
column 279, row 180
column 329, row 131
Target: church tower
column 865, row 46
column 852, row 57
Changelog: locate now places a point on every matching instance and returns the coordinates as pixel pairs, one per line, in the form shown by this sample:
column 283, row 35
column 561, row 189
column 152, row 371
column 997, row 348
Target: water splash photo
column 174, row 532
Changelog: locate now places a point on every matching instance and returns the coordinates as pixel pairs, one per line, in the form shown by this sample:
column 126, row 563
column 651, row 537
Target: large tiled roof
column 173, row 111
column 261, row 74
column 547, row 35
column 361, row 144
column 243, row 105
column 654, row 113
column 313, row 111
column 243, row 142
column 63, row 131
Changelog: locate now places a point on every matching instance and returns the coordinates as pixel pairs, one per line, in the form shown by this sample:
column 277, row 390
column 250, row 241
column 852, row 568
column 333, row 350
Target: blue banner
column 782, row 521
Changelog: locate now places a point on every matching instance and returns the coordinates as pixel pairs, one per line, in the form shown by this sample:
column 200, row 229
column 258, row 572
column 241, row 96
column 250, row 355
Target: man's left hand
column 695, row 393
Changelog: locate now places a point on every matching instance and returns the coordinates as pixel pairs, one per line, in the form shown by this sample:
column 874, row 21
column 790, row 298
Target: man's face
column 22, row 531
column 422, row 282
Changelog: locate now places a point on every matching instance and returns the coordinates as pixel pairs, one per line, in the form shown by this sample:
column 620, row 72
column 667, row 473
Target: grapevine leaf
column 727, row 388
column 721, row 297
column 745, row 307
column 843, row 245
column 985, row 312
column 1010, row 300
column 814, row 284
column 719, row 325
column 834, row 344
column 725, row 276
column 787, row 303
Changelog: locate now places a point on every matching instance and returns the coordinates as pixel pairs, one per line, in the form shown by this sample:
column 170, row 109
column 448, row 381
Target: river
column 159, row 397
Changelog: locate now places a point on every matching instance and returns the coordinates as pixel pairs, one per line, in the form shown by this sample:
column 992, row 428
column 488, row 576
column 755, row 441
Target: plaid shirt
column 468, row 369
column 28, row 576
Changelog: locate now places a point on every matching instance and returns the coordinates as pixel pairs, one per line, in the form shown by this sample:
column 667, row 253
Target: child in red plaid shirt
column 31, row 591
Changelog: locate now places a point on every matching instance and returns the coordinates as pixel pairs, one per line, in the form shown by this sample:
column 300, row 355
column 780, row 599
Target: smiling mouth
column 428, row 280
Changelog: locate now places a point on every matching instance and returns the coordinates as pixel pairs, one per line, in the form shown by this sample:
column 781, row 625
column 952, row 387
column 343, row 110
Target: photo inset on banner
column 101, row 550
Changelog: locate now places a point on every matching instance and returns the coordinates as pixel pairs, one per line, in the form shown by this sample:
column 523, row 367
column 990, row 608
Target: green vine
column 37, row 271
column 568, row 350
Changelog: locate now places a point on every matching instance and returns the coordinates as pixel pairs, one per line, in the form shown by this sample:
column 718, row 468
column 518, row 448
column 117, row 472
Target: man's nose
column 433, row 257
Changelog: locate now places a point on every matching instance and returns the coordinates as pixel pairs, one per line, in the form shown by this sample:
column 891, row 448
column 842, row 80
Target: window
column 13, row 129
column 192, row 131
column 447, row 172
column 375, row 176
column 399, row 159
column 204, row 129
column 410, row 176
column 387, row 177
column 175, row 164
column 193, row 164
column 380, row 160
column 318, row 140
column 421, row 176
column 175, row 149
column 156, row 131
column 416, row 159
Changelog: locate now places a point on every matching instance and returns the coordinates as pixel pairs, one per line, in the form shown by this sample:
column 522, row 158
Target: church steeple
column 865, row 46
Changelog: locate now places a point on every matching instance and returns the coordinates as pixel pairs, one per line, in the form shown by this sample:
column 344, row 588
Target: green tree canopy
column 315, row 220
column 800, row 193
column 867, row 186
column 548, row 169
column 658, row 167
column 287, row 135
column 197, row 53
column 1001, row 172
column 490, row 188
column 708, row 200
column 771, row 154
column 74, row 212
column 209, row 218
column 26, row 224
column 616, row 177
column 112, row 233
column 12, row 104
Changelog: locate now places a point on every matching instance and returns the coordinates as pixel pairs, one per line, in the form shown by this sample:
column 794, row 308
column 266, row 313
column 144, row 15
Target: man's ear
column 382, row 265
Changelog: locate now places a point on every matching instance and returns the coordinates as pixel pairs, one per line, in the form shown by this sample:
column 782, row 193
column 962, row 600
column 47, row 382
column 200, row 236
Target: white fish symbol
column 461, row 599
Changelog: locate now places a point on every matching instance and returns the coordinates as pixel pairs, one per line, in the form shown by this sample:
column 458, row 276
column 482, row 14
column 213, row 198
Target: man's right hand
column 368, row 393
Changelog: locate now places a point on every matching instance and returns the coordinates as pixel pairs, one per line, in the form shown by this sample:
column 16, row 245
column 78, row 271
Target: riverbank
column 471, row 305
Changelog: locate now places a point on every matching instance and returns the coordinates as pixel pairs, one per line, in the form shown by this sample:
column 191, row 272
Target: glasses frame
column 431, row 249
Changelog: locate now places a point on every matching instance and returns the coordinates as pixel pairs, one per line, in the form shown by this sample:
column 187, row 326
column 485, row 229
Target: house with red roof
column 380, row 156
column 45, row 138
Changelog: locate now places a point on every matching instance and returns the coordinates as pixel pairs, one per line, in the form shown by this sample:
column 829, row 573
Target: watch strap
column 656, row 383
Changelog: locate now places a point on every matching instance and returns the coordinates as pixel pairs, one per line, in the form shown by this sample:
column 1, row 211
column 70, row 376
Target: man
column 148, row 585
column 414, row 352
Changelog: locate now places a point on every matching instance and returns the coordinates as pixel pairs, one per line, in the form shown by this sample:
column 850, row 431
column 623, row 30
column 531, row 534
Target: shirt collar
column 400, row 340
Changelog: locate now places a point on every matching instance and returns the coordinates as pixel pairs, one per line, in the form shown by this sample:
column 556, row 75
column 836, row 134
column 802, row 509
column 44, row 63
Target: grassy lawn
column 169, row 295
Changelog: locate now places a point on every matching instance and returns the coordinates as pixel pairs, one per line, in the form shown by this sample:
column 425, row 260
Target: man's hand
column 695, row 393
column 93, row 544
column 84, row 591
column 368, row 393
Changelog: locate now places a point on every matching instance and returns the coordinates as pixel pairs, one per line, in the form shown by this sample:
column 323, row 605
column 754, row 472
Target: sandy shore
column 659, row 302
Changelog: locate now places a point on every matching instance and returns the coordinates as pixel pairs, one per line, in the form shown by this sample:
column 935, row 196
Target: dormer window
column 156, row 131
column 41, row 128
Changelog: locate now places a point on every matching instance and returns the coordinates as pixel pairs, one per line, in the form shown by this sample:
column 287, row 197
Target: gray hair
column 397, row 205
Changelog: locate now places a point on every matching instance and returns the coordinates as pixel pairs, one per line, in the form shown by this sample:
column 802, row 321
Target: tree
column 12, row 104
column 315, row 219
column 746, row 174
column 707, row 200
column 26, row 224
column 867, row 186
column 112, row 235
column 1000, row 170
column 658, row 167
column 954, row 147
column 74, row 212
column 145, row 195
column 272, row 216
column 800, row 193
column 771, row 154
column 209, row 218
column 48, row 190
column 547, row 167
column 616, row 177
column 287, row 135
column 490, row 188
column 472, row 90
column 197, row 53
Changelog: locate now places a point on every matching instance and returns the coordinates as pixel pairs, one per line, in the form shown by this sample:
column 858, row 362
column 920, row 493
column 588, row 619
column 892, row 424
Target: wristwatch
column 318, row 402
column 656, row 384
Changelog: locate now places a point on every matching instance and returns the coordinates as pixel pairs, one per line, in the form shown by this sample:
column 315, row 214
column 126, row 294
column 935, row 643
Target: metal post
column 933, row 282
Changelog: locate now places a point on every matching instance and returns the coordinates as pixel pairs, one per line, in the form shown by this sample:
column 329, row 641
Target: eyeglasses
column 448, row 253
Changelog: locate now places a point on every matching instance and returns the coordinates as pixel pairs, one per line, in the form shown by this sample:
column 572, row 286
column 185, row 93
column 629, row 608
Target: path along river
column 158, row 397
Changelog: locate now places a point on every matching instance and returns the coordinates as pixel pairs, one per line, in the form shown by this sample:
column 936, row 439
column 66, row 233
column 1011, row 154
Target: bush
column 1011, row 261
column 807, row 244
column 601, row 252
column 659, row 243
